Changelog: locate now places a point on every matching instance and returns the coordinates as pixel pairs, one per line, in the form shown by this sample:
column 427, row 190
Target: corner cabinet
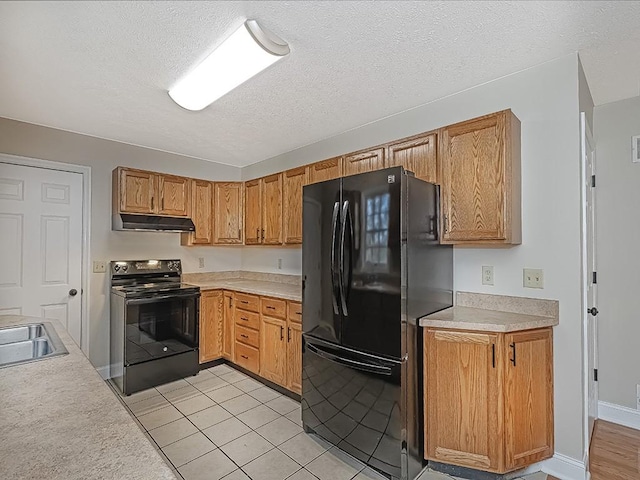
column 480, row 179
column 227, row 200
column 488, row 398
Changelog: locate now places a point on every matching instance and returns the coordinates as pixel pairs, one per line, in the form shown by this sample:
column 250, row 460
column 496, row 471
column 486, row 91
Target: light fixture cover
column 248, row 51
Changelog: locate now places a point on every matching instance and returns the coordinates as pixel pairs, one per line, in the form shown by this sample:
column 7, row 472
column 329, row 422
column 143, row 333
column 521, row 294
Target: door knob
column 593, row 311
column 73, row 292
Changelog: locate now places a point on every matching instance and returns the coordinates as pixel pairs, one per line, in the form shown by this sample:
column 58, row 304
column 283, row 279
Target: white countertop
column 478, row 319
column 60, row 420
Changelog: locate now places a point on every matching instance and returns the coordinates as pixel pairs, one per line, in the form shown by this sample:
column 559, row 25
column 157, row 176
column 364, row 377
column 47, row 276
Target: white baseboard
column 560, row 466
column 625, row 416
column 104, row 372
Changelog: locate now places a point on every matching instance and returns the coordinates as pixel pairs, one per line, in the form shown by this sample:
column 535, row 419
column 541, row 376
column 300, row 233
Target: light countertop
column 286, row 291
column 60, row 420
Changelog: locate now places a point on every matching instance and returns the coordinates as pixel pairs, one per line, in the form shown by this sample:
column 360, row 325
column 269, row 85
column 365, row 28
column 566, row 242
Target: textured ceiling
column 103, row 68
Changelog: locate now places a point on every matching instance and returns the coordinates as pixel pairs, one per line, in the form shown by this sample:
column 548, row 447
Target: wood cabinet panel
column 248, row 336
column 462, row 430
column 249, row 302
column 211, row 325
column 480, row 179
column 528, row 397
column 274, row 307
column 272, row 209
column 253, row 212
column 201, row 214
column 174, row 196
column 135, row 191
column 292, row 183
column 294, row 311
column 294, row 357
column 228, row 200
column 325, row 170
column 247, row 319
column 273, row 348
column 365, row 161
column 248, row 357
column 229, row 335
column 416, row 154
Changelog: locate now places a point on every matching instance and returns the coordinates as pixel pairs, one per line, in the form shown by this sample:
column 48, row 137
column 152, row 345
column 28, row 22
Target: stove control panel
column 137, row 267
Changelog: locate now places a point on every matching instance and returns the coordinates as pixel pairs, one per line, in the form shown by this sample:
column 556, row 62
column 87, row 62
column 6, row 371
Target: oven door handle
column 140, row 301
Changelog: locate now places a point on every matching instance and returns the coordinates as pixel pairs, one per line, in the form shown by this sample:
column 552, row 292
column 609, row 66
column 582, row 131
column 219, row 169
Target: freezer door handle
column 347, row 362
column 334, row 235
column 343, row 267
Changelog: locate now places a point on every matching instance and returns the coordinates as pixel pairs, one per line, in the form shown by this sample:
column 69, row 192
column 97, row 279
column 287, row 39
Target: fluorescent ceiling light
column 248, row 51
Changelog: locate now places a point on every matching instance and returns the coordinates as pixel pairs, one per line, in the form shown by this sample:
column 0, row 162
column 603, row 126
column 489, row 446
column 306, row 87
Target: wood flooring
column 615, row 452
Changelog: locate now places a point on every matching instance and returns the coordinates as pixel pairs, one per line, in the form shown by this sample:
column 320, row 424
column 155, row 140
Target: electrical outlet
column 638, row 397
column 279, row 264
column 487, row 275
column 99, row 266
column 200, row 262
column 533, row 278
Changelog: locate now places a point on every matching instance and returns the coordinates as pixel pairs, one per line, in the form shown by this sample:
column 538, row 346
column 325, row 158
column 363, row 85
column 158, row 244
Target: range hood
column 153, row 223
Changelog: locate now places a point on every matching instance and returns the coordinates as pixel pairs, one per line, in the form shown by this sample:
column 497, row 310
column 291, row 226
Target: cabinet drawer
column 248, row 319
column 248, row 302
column 248, row 357
column 274, row 307
column 295, row 312
column 248, row 336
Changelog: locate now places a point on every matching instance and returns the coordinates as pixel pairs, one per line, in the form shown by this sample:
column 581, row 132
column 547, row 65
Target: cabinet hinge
column 593, row 180
column 595, row 374
column 595, row 277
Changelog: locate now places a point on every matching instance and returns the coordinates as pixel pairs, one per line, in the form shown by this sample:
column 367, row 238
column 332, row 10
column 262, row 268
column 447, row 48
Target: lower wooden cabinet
column 488, row 398
column 273, row 349
column 211, row 325
column 228, row 332
column 294, row 357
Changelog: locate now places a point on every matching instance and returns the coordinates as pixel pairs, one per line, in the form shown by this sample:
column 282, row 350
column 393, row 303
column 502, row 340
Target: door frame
column 586, row 141
column 85, row 171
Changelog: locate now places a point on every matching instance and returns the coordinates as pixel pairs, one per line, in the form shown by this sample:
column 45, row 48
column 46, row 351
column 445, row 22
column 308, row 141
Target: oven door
column 160, row 326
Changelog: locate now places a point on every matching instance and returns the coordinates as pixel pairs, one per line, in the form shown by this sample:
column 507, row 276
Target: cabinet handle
column 152, row 203
column 257, row 234
column 270, row 307
column 230, row 299
column 493, row 355
column 239, row 233
column 281, row 332
column 244, row 301
column 288, row 334
column 298, row 313
column 513, row 347
column 446, row 223
column 162, row 202
column 263, row 234
column 244, row 318
column 244, row 336
column 245, row 357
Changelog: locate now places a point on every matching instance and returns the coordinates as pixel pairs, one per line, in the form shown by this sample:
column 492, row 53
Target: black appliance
column 372, row 266
column 154, row 324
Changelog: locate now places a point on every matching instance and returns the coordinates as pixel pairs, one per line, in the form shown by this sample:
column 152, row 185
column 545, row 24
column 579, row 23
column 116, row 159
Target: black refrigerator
column 372, row 265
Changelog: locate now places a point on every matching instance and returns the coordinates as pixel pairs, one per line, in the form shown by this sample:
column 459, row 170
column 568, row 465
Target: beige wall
column 546, row 100
column 618, row 262
column 23, row 139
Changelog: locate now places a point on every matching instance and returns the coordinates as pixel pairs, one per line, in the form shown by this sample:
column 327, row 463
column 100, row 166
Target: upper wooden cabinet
column 416, row 154
column 138, row 191
column 364, row 161
column 325, row 170
column 201, row 214
column 480, row 178
column 263, row 210
column 292, row 183
column 227, row 225
column 488, row 398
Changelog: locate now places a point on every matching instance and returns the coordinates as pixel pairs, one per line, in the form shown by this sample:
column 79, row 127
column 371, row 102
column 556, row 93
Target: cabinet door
column 211, row 321
column 201, row 213
column 528, row 397
column 138, row 191
column 294, row 357
column 462, row 399
column 292, row 184
column 229, row 335
column 252, row 212
column 361, row 162
column 480, row 180
column 174, row 195
column 273, row 350
column 227, row 226
column 272, row 209
column 416, row 154
column 325, row 170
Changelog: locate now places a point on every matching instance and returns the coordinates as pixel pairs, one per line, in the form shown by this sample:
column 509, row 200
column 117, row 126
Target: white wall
column 265, row 259
column 17, row 138
column 545, row 99
column 618, row 262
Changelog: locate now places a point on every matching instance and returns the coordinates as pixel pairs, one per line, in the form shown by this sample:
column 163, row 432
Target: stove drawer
column 248, row 336
column 248, row 357
column 248, row 319
column 248, row 302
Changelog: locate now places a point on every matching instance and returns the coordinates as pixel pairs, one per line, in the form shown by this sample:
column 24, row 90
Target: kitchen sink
column 28, row 343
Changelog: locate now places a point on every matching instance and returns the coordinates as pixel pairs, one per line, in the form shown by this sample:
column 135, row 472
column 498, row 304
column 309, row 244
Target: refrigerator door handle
column 343, row 287
column 334, row 234
column 366, row 367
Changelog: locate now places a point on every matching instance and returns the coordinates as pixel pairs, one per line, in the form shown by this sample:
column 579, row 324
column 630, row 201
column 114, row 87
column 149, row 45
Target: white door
column 41, row 244
column 590, row 285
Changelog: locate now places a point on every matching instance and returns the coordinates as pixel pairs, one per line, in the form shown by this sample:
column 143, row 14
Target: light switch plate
column 99, row 266
column 487, row 274
column 200, row 262
column 533, row 278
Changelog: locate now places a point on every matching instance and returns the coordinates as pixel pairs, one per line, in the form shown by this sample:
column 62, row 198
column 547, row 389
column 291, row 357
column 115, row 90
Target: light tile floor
column 222, row 424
